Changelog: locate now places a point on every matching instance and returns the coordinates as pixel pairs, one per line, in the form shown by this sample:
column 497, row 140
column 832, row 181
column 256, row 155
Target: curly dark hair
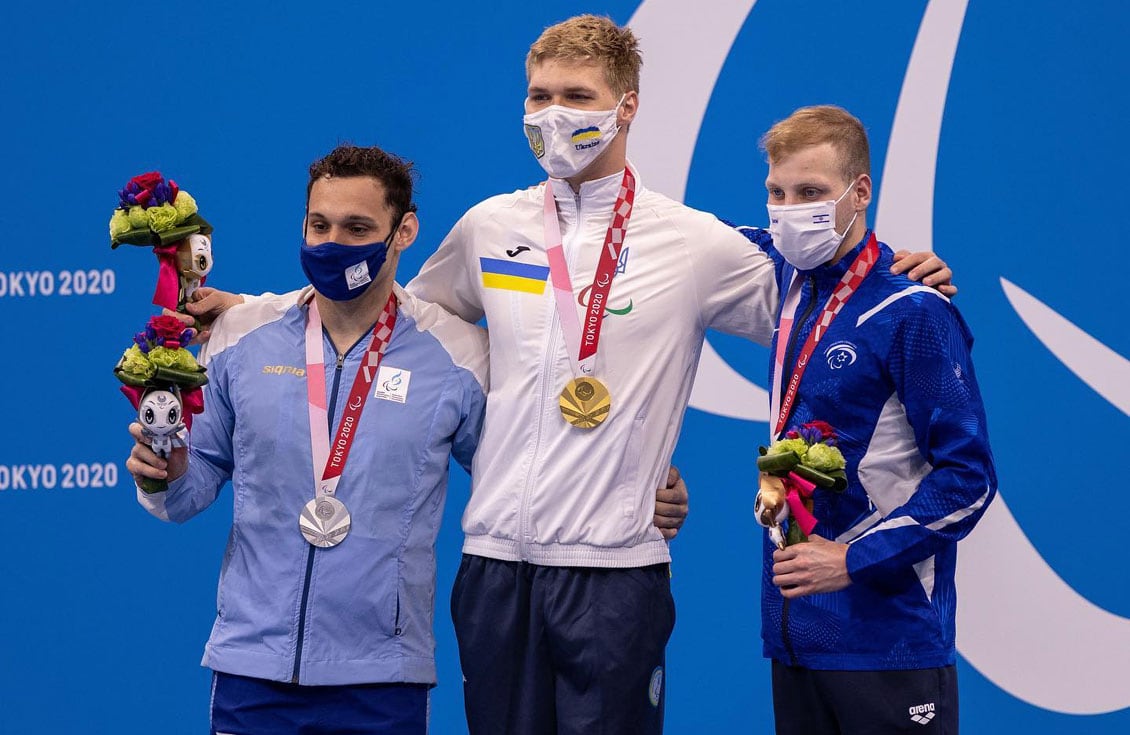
column 394, row 173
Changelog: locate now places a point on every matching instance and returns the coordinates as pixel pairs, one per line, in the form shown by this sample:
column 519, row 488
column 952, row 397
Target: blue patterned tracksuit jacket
column 893, row 375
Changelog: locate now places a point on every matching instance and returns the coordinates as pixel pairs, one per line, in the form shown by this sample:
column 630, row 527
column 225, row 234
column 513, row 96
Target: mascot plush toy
column 162, row 380
column 156, row 213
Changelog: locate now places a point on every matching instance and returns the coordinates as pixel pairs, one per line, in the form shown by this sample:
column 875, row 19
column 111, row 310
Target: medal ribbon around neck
column 328, row 527
column 585, row 402
column 848, row 285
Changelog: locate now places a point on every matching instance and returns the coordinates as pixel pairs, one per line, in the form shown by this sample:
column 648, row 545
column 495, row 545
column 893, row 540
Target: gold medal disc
column 585, row 403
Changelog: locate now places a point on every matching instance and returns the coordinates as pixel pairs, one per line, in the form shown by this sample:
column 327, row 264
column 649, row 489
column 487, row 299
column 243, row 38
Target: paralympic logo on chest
column 585, row 296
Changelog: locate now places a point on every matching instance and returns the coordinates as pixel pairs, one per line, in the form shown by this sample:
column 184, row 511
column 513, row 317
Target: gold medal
column 585, row 403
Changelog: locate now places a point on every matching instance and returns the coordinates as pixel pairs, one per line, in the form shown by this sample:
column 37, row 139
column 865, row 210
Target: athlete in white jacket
column 545, row 491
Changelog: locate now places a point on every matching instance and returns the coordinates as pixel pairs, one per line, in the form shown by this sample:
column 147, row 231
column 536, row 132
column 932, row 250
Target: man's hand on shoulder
column 817, row 565
column 926, row 268
column 206, row 306
column 672, row 503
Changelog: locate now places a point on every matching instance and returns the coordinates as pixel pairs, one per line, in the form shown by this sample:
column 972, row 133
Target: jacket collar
column 595, row 194
column 833, row 273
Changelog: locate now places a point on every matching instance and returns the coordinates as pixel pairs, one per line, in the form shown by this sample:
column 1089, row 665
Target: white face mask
column 566, row 140
column 805, row 234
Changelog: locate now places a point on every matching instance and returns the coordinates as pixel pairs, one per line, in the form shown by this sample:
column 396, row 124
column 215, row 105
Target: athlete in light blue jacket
column 315, row 628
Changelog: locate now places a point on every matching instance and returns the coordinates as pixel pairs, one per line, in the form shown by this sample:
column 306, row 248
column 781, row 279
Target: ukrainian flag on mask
column 586, row 137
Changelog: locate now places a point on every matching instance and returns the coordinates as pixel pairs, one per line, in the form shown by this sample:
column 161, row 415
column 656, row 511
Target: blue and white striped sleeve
column 930, row 364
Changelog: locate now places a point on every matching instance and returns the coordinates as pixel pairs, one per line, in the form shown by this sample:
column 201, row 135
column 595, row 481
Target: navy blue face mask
column 342, row 272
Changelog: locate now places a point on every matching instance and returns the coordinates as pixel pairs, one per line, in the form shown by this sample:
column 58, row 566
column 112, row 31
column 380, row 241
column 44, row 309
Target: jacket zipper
column 524, row 510
column 310, row 555
column 302, row 614
column 546, row 370
column 788, row 641
column 798, row 325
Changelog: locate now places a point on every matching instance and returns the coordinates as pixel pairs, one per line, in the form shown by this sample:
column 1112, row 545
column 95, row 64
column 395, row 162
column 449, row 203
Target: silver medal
column 324, row 521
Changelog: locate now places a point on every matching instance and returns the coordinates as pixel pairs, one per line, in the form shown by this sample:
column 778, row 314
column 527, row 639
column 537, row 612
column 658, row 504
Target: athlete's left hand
column 818, row 565
column 672, row 503
column 927, row 268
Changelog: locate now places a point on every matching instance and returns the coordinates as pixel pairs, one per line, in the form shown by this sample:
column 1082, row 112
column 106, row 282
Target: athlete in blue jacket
column 327, row 627
column 859, row 621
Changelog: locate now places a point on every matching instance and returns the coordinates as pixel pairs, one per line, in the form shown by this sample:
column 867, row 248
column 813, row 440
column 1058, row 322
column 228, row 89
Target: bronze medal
column 585, row 403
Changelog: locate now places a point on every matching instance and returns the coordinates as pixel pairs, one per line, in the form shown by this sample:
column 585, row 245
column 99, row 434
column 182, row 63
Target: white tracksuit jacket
column 544, row 491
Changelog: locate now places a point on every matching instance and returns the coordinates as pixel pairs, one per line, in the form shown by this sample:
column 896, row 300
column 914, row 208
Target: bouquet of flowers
column 162, row 380
column 155, row 212
column 158, row 357
column 791, row 470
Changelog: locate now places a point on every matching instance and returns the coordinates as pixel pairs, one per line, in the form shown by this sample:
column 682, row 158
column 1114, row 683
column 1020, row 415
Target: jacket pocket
column 629, row 473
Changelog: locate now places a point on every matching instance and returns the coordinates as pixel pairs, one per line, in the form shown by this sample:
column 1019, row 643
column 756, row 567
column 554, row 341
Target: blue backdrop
column 998, row 129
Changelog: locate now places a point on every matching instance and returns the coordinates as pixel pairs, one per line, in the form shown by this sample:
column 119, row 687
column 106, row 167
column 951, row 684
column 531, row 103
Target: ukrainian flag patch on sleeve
column 511, row 276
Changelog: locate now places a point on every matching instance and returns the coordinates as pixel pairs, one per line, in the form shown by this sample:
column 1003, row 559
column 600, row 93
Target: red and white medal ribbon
column 782, row 405
column 329, row 522
column 583, row 339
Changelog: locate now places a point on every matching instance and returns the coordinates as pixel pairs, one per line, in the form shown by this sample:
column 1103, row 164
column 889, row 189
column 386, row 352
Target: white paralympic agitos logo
column 840, row 355
column 1019, row 623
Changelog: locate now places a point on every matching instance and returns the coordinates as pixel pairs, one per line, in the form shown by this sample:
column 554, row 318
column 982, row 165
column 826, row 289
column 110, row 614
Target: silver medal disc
column 324, row 521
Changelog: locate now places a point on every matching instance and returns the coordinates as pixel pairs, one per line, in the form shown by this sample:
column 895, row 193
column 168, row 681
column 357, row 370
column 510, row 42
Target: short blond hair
column 819, row 124
column 594, row 39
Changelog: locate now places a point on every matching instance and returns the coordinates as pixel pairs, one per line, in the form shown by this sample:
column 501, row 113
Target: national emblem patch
column 537, row 143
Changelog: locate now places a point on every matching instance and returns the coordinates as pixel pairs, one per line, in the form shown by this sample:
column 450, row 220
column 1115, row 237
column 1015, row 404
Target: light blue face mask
column 342, row 272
